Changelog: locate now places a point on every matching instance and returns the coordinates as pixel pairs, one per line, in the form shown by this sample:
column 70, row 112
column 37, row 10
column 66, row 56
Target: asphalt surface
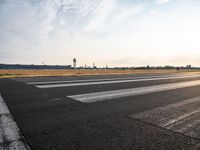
column 50, row 120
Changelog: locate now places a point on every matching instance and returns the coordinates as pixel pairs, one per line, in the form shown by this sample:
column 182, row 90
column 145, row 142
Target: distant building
column 23, row 66
column 188, row 66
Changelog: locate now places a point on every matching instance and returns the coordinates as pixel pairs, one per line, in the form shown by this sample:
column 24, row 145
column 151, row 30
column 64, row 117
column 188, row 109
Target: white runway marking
column 106, row 79
column 10, row 135
column 96, row 80
column 101, row 96
column 110, row 82
column 182, row 117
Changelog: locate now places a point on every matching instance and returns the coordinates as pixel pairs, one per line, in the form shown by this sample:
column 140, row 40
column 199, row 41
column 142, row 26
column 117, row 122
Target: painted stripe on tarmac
column 111, row 82
column 101, row 96
column 182, row 117
column 96, row 80
column 86, row 80
column 10, row 135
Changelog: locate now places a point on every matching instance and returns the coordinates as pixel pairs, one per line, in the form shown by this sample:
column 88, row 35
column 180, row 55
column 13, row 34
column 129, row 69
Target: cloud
column 162, row 1
column 153, row 12
column 55, row 31
column 26, row 21
column 31, row 24
column 100, row 15
column 123, row 13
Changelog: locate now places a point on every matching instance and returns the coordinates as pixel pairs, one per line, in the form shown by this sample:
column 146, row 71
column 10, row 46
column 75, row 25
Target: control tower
column 74, row 63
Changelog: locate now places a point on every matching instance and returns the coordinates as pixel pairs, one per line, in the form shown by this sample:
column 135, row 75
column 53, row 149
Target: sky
column 105, row 32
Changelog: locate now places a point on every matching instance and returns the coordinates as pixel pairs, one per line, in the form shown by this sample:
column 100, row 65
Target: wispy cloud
column 100, row 15
column 123, row 13
column 55, row 31
column 162, row 1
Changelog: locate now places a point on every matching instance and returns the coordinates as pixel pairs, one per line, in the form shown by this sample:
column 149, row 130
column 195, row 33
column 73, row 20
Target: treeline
column 158, row 67
column 18, row 66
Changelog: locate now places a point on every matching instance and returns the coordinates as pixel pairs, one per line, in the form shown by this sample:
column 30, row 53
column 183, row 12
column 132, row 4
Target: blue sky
column 113, row 32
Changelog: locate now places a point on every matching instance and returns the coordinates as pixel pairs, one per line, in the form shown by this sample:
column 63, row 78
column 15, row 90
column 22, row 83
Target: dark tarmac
column 50, row 120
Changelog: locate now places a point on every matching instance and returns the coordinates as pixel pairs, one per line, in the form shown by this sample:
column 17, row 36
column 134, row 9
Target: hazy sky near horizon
column 112, row 32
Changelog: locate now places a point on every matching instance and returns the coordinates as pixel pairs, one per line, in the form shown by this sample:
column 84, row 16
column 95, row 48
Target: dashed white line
column 10, row 135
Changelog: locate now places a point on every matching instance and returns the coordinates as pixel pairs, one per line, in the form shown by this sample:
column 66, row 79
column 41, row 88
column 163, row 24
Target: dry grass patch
column 31, row 73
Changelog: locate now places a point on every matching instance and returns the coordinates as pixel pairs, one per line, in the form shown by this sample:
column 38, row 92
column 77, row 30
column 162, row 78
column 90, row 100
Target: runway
column 103, row 112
